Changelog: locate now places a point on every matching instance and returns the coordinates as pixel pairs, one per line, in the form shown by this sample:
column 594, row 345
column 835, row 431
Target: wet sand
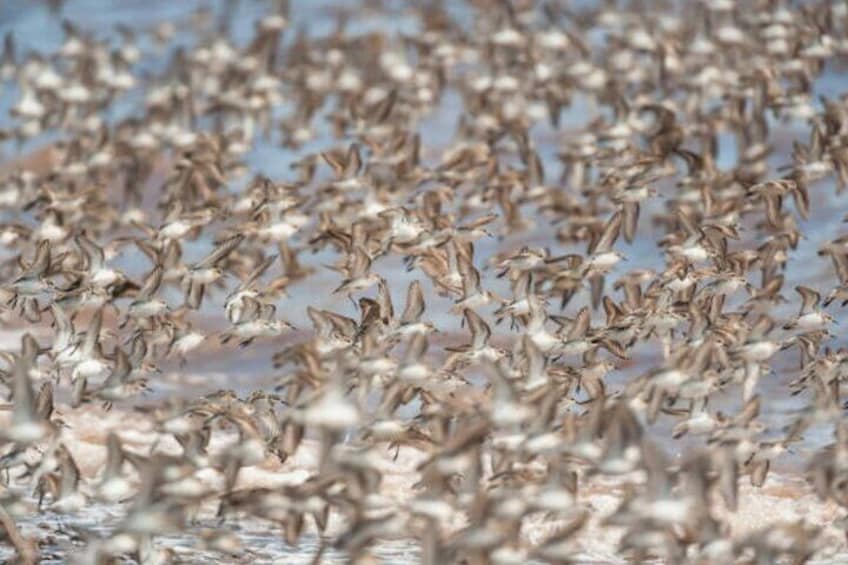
column 784, row 498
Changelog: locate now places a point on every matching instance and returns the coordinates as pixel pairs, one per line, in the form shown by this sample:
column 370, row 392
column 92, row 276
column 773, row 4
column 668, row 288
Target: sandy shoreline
column 783, row 500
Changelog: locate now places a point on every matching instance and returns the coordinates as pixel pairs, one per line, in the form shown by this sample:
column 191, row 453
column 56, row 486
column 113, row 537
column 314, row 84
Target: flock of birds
column 530, row 357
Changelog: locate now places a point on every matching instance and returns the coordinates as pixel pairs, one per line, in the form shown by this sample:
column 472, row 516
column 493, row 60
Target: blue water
column 37, row 30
